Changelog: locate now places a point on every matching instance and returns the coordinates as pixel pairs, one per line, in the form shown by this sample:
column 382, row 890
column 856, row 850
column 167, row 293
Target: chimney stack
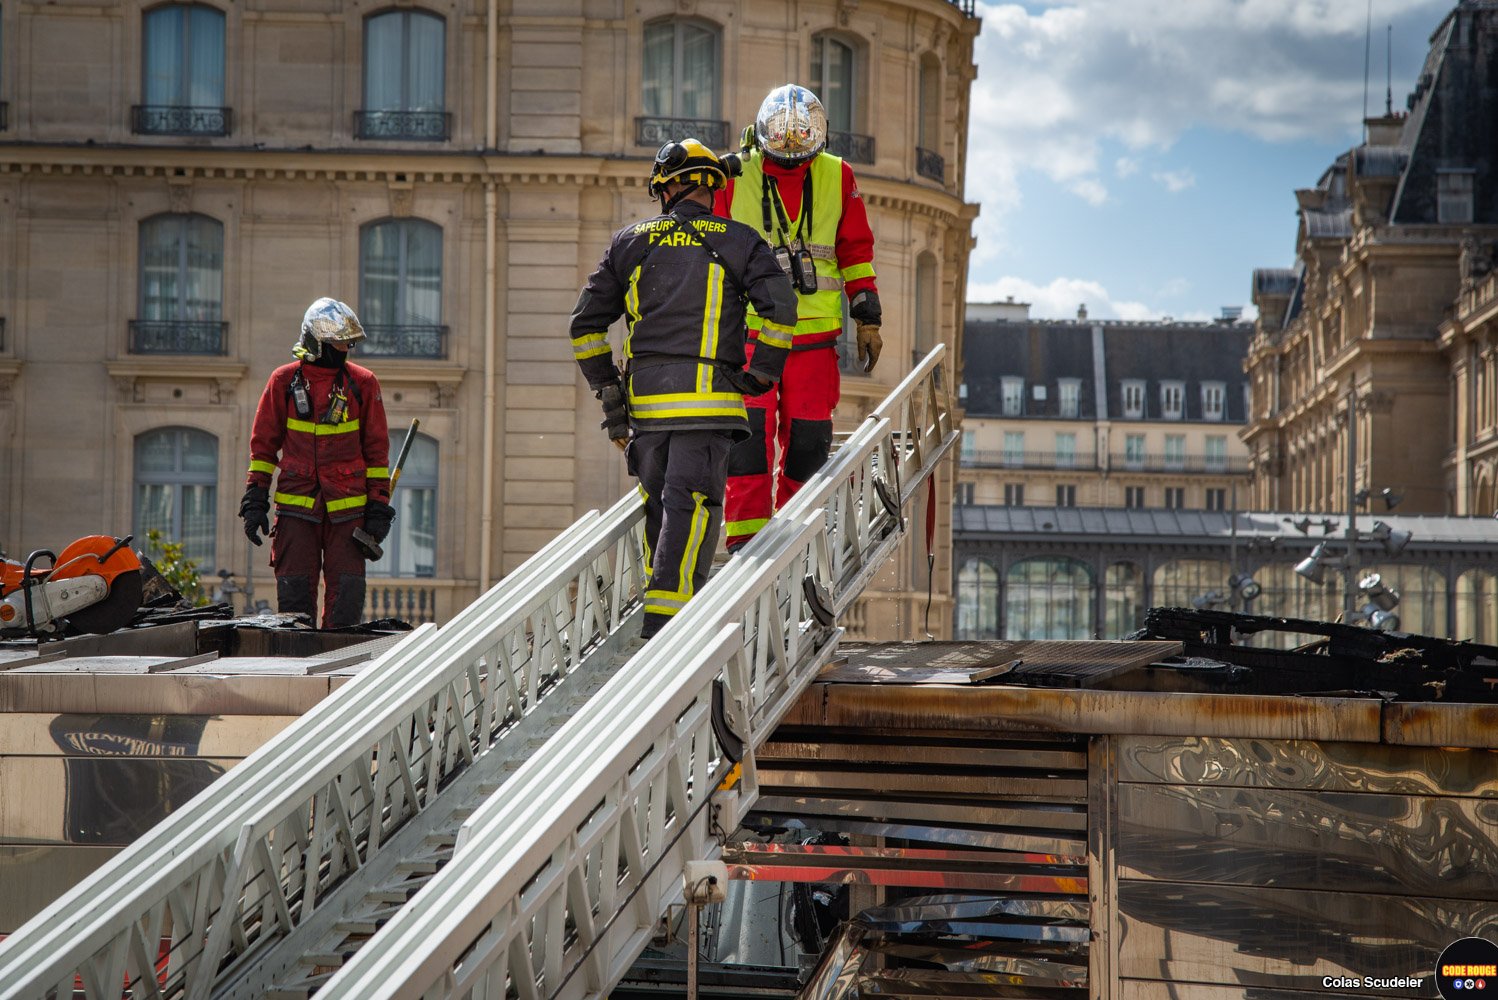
column 1082, row 311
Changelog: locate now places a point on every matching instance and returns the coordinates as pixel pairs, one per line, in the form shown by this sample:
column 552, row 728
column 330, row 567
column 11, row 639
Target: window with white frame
column 969, row 448
column 1132, row 391
column 1172, row 400
column 681, row 70
column 405, row 77
column 1134, row 451
column 400, row 288
column 1069, row 396
column 1066, row 449
column 182, row 72
column 1014, row 447
column 1012, row 396
column 1214, row 401
column 1175, row 451
column 176, row 490
column 411, row 548
column 834, row 79
column 1216, row 452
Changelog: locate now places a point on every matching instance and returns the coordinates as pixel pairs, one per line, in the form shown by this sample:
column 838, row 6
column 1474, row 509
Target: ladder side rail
column 477, row 898
column 437, row 723
column 183, row 859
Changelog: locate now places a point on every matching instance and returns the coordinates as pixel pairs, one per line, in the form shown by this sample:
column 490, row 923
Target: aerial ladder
column 508, row 802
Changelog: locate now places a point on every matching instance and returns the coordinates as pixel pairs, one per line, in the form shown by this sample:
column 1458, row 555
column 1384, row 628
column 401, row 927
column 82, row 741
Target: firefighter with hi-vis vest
column 805, row 202
column 321, row 423
column 682, row 280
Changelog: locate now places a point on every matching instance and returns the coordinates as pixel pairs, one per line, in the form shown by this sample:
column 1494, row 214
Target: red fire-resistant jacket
column 326, row 469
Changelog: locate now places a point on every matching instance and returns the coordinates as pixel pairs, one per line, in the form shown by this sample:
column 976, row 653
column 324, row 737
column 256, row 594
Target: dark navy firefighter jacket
column 682, row 281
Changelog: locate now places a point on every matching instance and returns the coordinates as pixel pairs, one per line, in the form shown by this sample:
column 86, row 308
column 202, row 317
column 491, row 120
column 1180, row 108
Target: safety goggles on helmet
column 327, row 321
column 688, row 161
column 791, row 125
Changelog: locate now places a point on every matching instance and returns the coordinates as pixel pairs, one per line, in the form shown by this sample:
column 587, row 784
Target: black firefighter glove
column 254, row 510
column 748, row 383
column 377, row 518
column 868, row 315
column 615, row 413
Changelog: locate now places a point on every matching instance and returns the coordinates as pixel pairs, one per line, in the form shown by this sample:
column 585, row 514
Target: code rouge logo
column 1467, row 969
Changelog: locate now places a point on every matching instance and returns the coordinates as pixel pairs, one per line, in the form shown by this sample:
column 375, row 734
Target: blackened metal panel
column 1356, row 842
column 1346, row 767
column 1043, row 818
column 1286, row 938
column 1102, row 869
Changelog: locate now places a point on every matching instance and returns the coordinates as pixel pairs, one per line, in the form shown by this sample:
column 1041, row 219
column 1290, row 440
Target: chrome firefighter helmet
column 791, row 126
column 327, row 321
column 689, row 161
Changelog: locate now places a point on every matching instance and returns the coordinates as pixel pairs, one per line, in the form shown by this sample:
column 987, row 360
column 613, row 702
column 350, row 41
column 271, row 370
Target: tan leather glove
column 869, row 345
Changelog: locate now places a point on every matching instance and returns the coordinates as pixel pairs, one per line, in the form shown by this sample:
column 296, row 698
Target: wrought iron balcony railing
column 1028, row 460
column 404, row 341
column 929, row 163
column 170, row 119
column 659, row 131
column 851, row 146
column 968, row 7
column 170, row 336
column 1220, row 464
column 414, row 126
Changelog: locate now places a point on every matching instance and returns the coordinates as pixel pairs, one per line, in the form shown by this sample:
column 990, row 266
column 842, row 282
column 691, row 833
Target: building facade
column 1101, row 414
column 179, row 181
column 1359, row 380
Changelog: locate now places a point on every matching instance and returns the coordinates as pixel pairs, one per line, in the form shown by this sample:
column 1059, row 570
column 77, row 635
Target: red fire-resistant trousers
column 301, row 551
column 793, row 419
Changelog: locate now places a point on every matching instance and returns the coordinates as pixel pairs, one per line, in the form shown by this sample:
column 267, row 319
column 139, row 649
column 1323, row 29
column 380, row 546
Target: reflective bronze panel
column 95, row 800
column 1042, row 817
column 1146, row 989
column 1287, row 939
column 1346, row 767
column 1412, row 845
column 1427, row 724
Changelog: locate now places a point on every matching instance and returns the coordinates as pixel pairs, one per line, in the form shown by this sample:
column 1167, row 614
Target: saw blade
column 116, row 610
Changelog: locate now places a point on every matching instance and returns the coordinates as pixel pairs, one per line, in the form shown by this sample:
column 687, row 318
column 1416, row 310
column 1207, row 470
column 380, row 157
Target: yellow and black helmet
column 689, row 161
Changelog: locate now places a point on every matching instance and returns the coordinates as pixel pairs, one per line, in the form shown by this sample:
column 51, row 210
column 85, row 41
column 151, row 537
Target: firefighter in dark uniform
column 682, row 281
column 321, row 421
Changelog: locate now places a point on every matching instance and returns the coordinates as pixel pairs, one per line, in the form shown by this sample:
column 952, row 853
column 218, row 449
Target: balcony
column 931, row 165
column 1209, row 464
column 659, row 131
column 1027, row 460
column 966, row 6
column 165, row 119
column 405, row 126
column 404, row 341
column 167, row 336
column 851, row 146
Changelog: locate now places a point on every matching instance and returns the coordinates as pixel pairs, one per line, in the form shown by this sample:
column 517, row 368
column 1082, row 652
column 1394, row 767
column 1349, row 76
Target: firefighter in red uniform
column 682, row 280
column 805, row 202
column 322, row 417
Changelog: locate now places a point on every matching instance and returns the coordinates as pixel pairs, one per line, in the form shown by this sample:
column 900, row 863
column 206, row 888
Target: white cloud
column 1175, row 181
column 1062, row 86
column 1060, row 298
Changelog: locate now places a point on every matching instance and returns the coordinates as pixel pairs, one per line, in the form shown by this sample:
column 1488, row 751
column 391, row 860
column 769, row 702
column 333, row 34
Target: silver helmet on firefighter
column 327, row 321
column 791, row 125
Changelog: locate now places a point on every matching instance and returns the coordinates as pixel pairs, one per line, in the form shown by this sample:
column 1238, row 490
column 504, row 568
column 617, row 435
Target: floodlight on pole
column 1211, row 599
column 1394, row 539
column 1246, row 586
column 1311, row 567
column 1384, row 621
column 1377, row 593
column 1392, row 497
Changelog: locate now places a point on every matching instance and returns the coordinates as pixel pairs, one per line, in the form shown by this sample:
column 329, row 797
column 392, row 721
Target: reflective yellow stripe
column 346, row 503
column 695, row 535
column 711, row 315
column 684, row 397
column 720, row 411
column 814, row 324
column 660, row 609
column 308, row 427
column 858, row 271
column 748, row 527
column 376, row 472
column 292, row 500
column 631, row 311
column 590, row 345
column 256, row 465
column 664, row 602
column 770, row 340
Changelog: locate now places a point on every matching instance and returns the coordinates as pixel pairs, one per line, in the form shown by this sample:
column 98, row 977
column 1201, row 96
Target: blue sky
column 1141, row 156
